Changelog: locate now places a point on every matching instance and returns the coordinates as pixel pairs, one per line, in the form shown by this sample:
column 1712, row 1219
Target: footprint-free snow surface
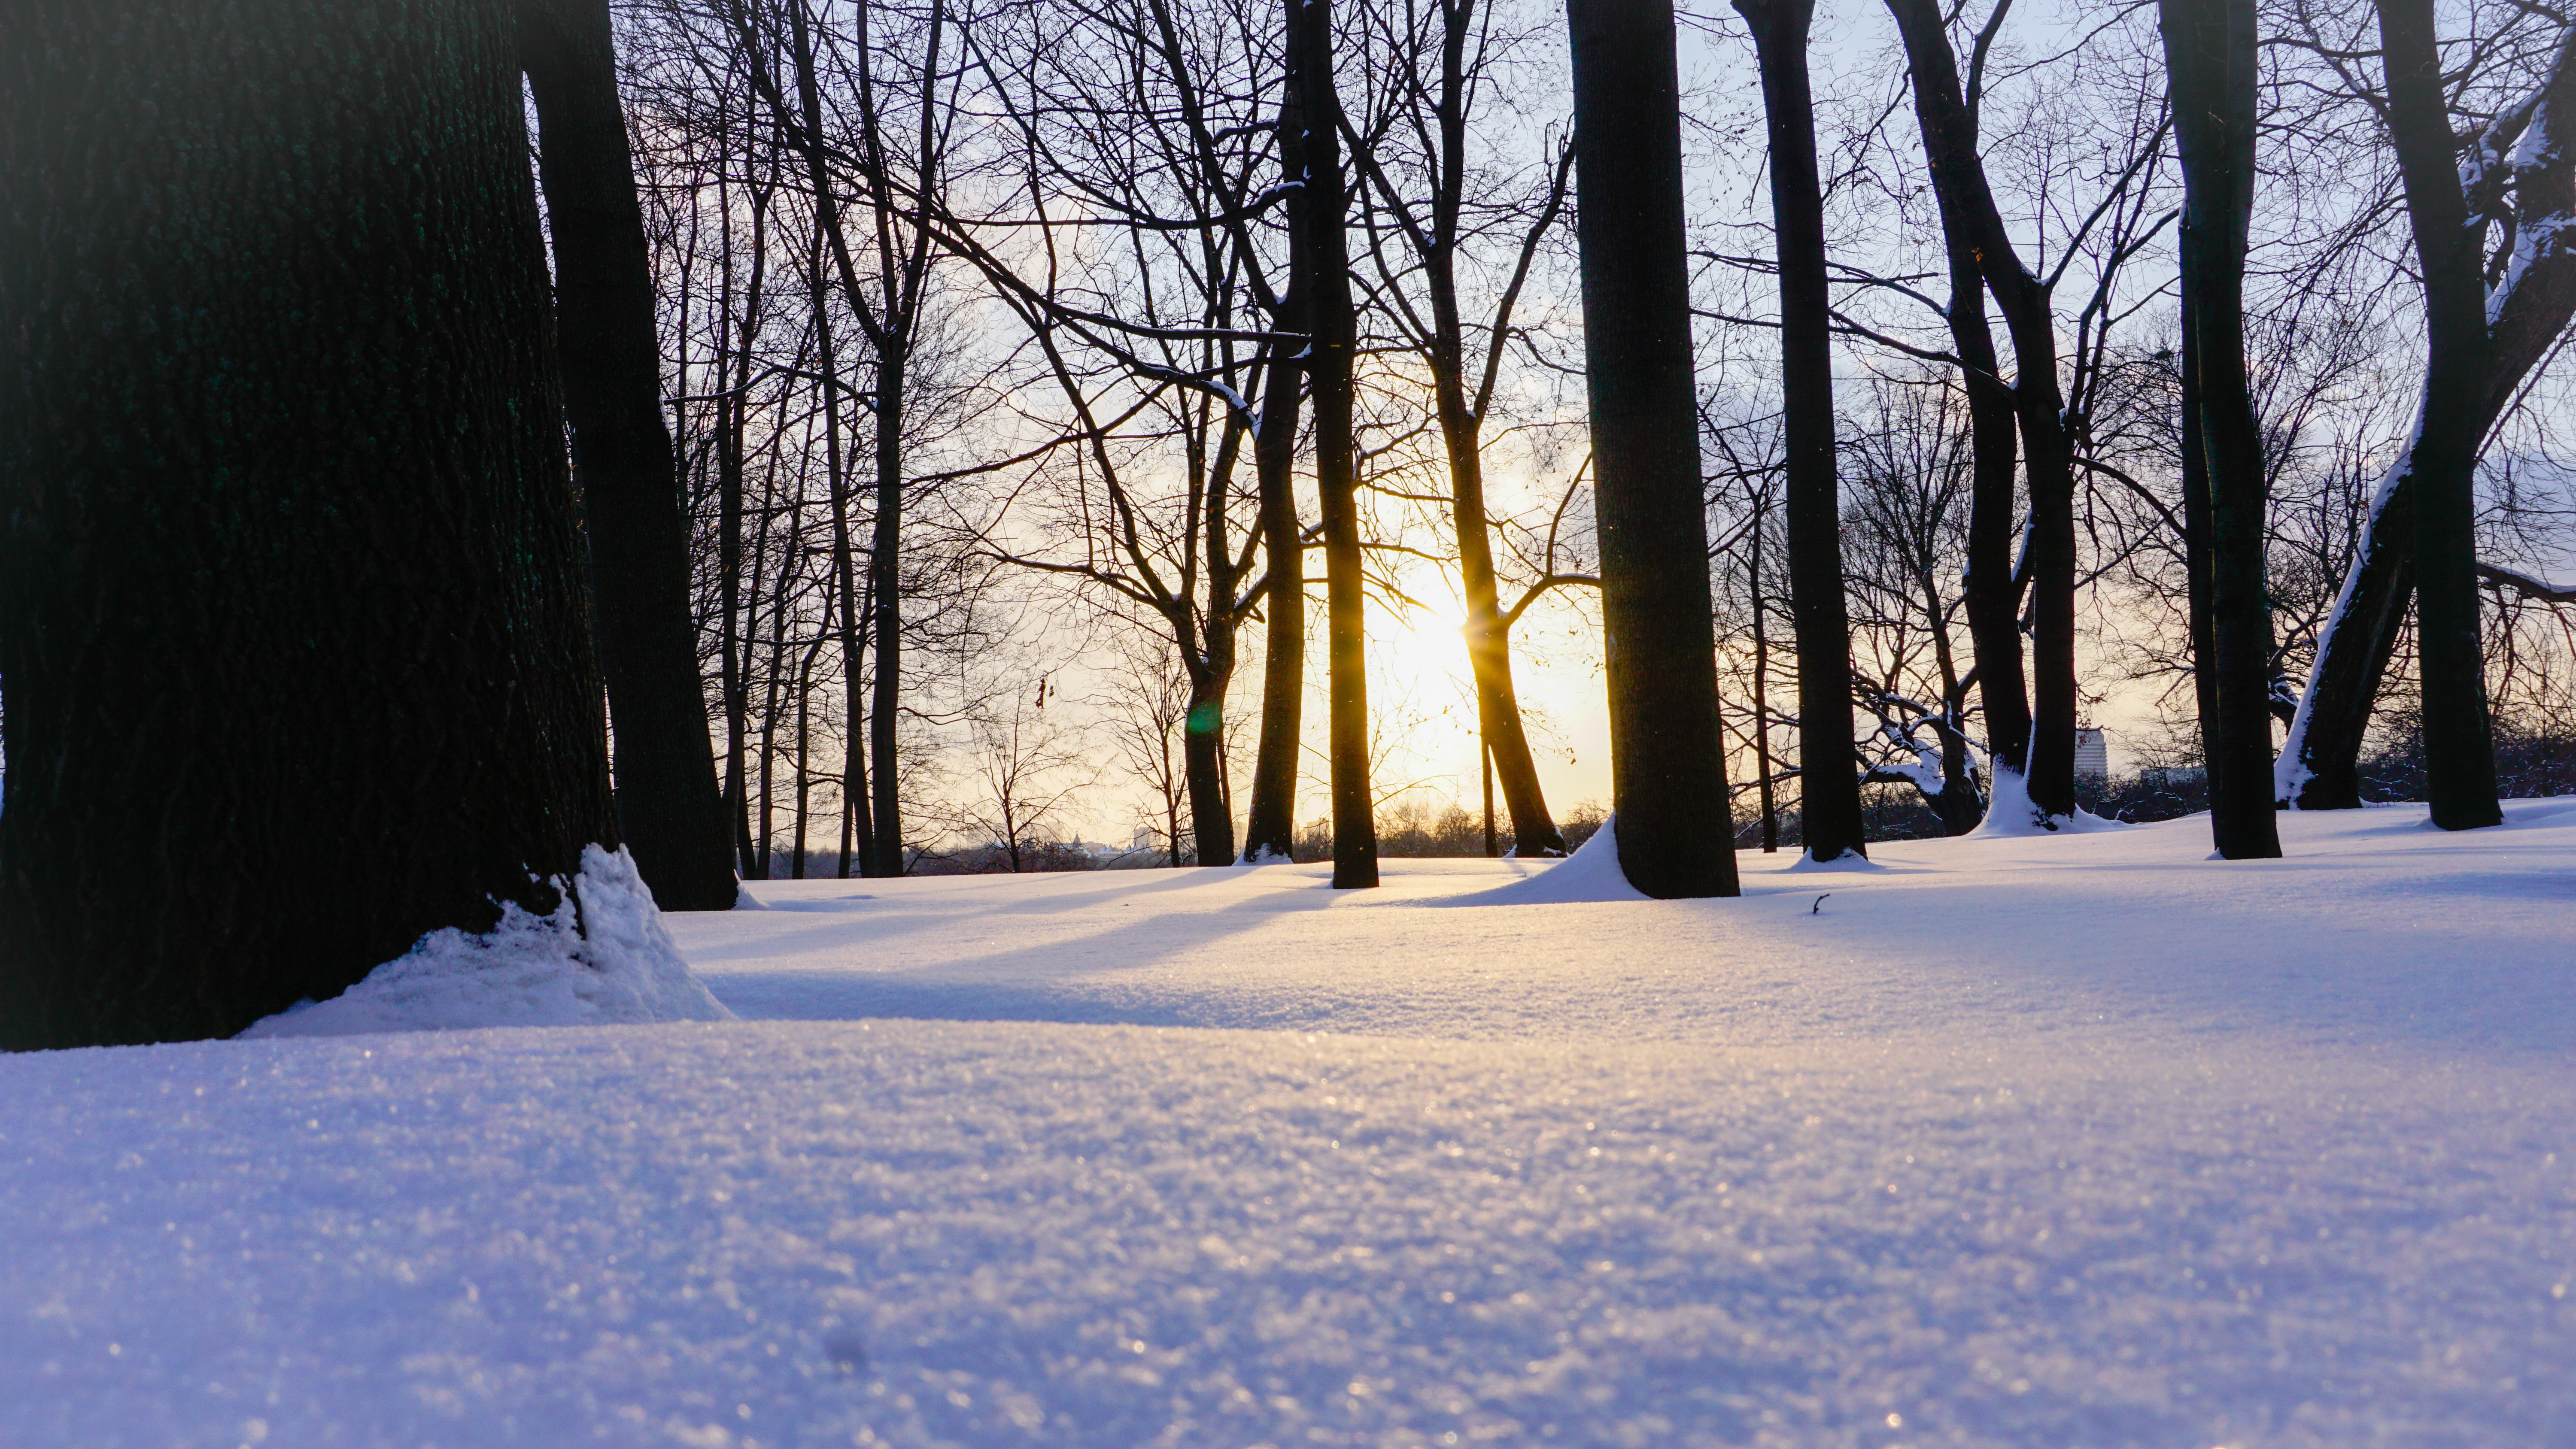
column 2087, row 1141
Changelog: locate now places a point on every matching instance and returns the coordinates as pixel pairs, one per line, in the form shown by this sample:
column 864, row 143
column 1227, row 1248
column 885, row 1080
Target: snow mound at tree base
column 1846, row 863
column 2010, row 815
column 1591, row 873
column 602, row 958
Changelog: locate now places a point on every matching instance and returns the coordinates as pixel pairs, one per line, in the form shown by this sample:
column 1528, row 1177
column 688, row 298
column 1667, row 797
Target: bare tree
column 2498, row 303
column 1668, row 772
column 290, row 574
column 1431, row 212
column 667, row 799
column 1026, row 767
column 2210, row 55
column 1145, row 707
column 1830, row 782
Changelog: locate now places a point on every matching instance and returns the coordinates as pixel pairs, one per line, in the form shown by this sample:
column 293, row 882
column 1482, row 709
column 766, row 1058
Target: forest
column 960, row 724
column 1247, row 433
column 972, row 322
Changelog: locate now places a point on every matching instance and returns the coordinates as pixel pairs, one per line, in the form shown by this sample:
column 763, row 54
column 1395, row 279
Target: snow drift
column 1591, row 873
column 600, row 958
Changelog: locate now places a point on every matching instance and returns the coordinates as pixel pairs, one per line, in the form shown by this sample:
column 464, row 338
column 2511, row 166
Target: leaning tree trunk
column 1667, row 762
column 1326, row 284
column 2197, row 552
column 2525, row 313
column 2209, row 50
column 1828, row 766
column 668, row 802
column 291, row 597
column 1489, row 655
column 1270, row 825
column 2459, row 755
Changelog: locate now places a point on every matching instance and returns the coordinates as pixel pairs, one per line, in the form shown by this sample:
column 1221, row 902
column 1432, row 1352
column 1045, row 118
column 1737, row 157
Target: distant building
column 2092, row 756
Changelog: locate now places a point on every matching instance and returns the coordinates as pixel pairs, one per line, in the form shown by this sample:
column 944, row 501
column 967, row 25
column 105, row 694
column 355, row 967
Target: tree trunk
column 1270, row 826
column 738, row 628
column 885, row 584
column 1767, row 792
column 1326, row 284
column 291, row 594
column 1493, row 845
column 1489, row 658
column 668, row 803
column 804, row 756
column 2530, row 308
column 1828, row 766
column 855, row 822
column 1959, row 180
column 1202, row 757
column 2198, row 555
column 1667, row 764
column 2210, row 57
column 2459, row 755
column 1992, row 600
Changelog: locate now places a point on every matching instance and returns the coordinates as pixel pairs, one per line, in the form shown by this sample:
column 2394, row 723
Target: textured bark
column 2039, row 405
column 291, row 595
column 1828, row 766
column 668, row 803
column 2210, row 57
column 1326, row 283
column 1667, row 762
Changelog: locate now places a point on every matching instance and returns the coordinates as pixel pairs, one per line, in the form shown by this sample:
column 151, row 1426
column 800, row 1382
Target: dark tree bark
column 2197, row 553
column 1211, row 672
column 1766, row 792
column 1667, row 762
column 1829, row 767
column 2459, row 755
column 2039, row 403
column 2529, row 305
column 890, row 317
column 1326, row 285
column 850, row 605
column 291, row 595
column 1991, row 595
column 668, row 803
column 736, row 628
column 1270, row 826
column 2210, row 59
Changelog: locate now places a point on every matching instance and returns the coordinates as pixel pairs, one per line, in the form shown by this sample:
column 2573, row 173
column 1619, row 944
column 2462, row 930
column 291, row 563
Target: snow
column 1591, row 873
column 600, row 958
column 2069, row 1139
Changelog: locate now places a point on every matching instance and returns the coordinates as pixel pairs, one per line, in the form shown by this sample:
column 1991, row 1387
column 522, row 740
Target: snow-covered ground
column 2069, row 1142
